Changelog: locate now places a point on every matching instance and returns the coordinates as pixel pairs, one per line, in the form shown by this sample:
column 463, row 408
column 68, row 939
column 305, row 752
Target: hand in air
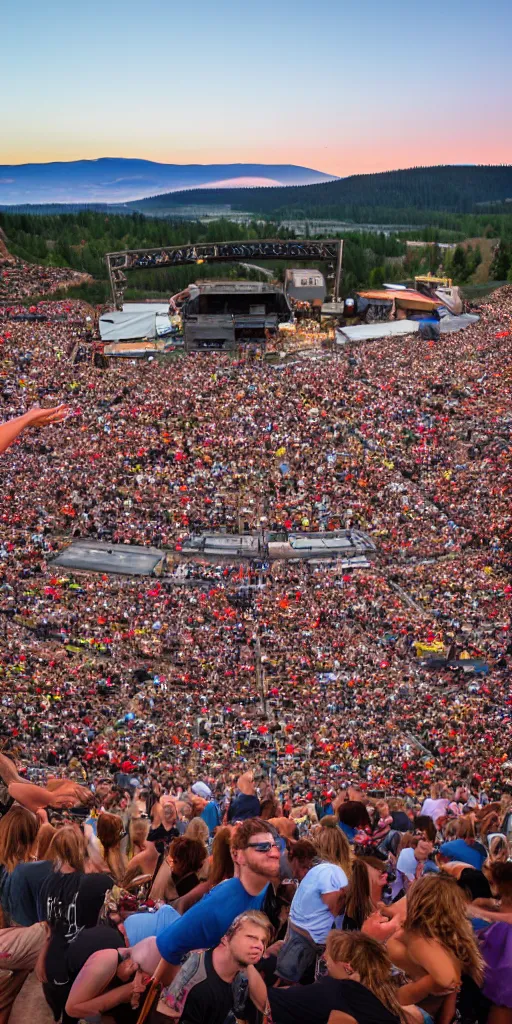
column 44, row 417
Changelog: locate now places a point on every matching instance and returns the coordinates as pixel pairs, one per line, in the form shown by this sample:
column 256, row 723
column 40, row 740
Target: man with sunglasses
column 256, row 857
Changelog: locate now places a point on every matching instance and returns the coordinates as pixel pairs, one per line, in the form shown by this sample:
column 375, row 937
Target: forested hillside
column 80, row 241
column 450, row 189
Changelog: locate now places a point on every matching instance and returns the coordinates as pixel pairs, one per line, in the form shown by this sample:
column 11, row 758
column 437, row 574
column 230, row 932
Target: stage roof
column 223, row 544
column 99, row 556
column 405, row 298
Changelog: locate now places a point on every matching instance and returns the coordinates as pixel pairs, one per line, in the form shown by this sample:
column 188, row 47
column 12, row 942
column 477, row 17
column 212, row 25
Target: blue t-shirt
column 210, row 814
column 140, row 926
column 458, row 849
column 348, row 830
column 244, row 806
column 205, row 923
column 20, row 896
column 308, row 910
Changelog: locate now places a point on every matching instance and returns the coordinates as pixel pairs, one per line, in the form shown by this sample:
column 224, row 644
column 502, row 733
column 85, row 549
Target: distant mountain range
column 455, row 189
column 118, row 180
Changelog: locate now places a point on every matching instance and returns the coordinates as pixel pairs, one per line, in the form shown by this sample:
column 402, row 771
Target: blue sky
column 336, row 85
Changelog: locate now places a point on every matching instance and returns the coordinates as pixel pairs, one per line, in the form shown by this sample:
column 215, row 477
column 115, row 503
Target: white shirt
column 308, row 910
column 434, row 808
column 407, row 863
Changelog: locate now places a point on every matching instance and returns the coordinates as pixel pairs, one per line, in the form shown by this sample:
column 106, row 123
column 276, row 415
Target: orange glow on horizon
column 339, row 160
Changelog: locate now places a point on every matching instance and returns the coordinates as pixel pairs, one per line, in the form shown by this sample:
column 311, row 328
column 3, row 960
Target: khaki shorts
column 20, row 947
column 19, row 950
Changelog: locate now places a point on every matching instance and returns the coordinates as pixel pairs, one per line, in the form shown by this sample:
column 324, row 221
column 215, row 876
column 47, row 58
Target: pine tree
column 460, row 265
column 501, row 263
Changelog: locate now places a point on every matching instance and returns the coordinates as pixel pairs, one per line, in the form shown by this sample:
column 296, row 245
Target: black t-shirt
column 66, row 961
column 351, row 924
column 86, row 892
column 69, row 902
column 186, row 883
column 88, row 942
column 162, row 837
column 211, row 1000
column 312, row 1004
column 401, row 821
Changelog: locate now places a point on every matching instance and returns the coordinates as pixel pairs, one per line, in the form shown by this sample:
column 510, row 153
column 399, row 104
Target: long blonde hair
column 332, row 845
column 371, row 962
column 68, row 846
column 197, row 829
column 138, row 831
column 436, row 909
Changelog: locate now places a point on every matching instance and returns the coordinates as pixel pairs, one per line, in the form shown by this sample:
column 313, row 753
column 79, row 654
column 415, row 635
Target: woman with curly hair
column 437, row 948
column 221, row 867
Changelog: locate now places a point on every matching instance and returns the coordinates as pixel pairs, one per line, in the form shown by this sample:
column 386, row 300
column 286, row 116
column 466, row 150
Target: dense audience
column 327, row 765
column 20, row 280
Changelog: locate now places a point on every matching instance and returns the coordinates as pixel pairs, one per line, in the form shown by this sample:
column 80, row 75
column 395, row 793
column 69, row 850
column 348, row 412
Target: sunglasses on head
column 263, row 847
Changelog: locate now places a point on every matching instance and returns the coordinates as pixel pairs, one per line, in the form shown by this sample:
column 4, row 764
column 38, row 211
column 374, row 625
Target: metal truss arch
column 303, row 250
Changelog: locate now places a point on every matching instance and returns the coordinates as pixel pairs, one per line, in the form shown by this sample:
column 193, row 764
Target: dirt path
column 31, row 1006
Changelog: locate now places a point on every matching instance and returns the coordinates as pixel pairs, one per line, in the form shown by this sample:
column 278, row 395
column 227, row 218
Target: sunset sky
column 338, row 85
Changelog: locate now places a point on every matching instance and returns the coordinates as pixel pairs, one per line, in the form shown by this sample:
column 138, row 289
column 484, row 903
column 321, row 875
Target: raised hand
column 44, row 417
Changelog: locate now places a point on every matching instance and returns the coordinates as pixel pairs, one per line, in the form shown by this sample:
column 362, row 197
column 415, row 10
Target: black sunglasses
column 263, row 847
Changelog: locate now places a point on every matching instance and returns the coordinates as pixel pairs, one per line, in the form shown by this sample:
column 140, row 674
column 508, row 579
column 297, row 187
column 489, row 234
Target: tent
column 370, row 332
column 121, row 326
column 136, row 320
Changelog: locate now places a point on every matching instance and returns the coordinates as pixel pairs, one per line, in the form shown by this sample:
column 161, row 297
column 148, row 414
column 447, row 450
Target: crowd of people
column 258, row 770
column 20, row 280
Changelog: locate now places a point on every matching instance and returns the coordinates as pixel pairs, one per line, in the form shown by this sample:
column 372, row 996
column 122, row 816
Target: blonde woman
column 333, row 846
column 360, row 987
column 142, row 855
column 437, row 945
column 198, row 829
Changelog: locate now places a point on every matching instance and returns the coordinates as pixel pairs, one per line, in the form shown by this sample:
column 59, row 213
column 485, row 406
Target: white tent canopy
column 136, row 320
